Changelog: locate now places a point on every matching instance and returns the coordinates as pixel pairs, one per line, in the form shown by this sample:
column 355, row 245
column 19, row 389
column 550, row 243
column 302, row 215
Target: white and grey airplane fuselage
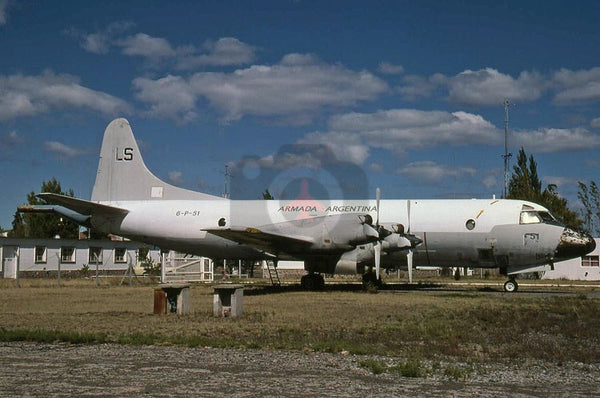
column 337, row 236
column 476, row 233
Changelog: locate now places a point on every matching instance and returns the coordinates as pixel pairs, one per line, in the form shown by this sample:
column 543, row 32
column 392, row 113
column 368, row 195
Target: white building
column 31, row 256
column 582, row 268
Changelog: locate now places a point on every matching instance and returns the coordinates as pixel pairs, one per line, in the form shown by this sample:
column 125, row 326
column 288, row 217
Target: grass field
column 464, row 325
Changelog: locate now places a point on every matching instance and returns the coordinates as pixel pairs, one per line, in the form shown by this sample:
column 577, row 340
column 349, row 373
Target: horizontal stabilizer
column 63, row 211
column 81, row 206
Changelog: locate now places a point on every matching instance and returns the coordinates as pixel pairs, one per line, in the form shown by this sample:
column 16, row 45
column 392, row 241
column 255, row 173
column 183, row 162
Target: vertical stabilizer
column 122, row 174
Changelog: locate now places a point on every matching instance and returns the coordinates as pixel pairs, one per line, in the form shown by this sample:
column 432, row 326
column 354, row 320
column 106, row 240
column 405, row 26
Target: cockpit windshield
column 536, row 217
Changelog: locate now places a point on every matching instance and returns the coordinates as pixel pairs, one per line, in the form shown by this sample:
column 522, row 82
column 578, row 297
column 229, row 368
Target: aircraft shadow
column 338, row 287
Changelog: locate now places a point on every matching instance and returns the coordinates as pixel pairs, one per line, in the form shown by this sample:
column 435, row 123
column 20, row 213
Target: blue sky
column 403, row 95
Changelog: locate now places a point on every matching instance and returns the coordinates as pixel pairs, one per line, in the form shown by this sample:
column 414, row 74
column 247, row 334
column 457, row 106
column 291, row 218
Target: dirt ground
column 30, row 369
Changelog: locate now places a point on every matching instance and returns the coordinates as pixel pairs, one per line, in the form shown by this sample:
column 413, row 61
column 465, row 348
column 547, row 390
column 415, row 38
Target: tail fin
column 122, row 174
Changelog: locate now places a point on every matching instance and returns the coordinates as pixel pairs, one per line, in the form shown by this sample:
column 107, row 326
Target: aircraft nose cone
column 574, row 244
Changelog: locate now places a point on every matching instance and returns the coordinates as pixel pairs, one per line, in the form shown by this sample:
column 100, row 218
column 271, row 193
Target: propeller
column 398, row 240
column 409, row 255
column 377, row 244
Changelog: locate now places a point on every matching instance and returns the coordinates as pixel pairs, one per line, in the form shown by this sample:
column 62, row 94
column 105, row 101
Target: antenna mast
column 506, row 155
column 227, row 175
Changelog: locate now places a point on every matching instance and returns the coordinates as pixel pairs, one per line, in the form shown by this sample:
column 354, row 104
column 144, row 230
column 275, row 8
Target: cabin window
column 120, row 255
column 590, row 261
column 470, row 224
column 40, row 254
column 67, row 254
column 95, row 255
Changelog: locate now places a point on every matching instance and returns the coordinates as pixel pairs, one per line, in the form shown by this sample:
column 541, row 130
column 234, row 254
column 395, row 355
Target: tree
column 267, row 195
column 525, row 184
column 590, row 199
column 36, row 225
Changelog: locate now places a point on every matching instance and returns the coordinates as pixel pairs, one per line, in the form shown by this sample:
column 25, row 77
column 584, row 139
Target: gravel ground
column 30, row 369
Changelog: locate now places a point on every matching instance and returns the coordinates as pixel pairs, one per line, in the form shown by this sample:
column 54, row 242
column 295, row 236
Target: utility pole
column 506, row 155
column 227, row 175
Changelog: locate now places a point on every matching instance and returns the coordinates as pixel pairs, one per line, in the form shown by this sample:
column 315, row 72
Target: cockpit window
column 547, row 217
column 536, row 217
column 530, row 217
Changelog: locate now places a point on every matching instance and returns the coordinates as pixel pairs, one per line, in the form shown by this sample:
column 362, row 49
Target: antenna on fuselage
column 227, row 175
column 506, row 155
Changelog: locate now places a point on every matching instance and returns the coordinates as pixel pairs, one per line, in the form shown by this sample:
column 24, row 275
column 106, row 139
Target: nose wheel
column 511, row 286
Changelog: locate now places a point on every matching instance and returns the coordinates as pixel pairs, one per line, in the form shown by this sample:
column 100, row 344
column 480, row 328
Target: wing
column 264, row 241
column 325, row 235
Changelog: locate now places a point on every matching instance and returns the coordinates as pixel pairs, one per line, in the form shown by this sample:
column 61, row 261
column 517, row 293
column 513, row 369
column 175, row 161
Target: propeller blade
column 409, row 258
column 377, row 249
column 377, row 199
column 408, row 212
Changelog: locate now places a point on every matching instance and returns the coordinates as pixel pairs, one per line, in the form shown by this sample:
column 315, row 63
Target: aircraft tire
column 369, row 280
column 312, row 282
column 511, row 286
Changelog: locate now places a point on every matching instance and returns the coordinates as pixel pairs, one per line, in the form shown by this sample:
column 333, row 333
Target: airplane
column 333, row 237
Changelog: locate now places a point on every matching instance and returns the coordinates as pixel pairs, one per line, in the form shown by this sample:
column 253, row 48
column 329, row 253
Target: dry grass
column 413, row 324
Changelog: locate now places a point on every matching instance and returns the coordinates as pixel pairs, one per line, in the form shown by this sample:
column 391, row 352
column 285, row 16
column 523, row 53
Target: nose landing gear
column 511, row 286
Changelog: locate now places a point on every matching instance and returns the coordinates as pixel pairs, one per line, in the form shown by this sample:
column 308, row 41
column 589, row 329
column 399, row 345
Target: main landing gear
column 369, row 280
column 312, row 282
column 511, row 286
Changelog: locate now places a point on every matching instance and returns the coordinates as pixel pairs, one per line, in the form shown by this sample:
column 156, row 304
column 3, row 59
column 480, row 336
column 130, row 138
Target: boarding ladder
column 275, row 281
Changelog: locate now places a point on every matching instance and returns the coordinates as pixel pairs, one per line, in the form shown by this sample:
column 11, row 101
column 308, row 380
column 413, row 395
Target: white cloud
column 556, row 140
column 491, row 181
column 225, row 51
column 61, row 150
column 560, row 182
column 402, row 129
column 31, row 95
column 176, row 177
column 10, row 140
column 376, row 167
column 577, row 86
column 346, row 146
column 415, row 87
column 390, row 69
column 295, row 59
column 295, row 92
column 3, row 8
column 169, row 97
column 352, row 135
column 490, row 87
column 595, row 123
column 101, row 41
column 433, row 172
column 144, row 45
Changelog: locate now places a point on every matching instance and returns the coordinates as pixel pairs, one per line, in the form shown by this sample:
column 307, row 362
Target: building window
column 95, row 256
column 120, row 255
column 40, row 254
column 67, row 254
column 590, row 261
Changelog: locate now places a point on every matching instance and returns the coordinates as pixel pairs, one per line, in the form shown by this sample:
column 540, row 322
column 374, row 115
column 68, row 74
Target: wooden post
column 17, row 268
column 59, row 261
